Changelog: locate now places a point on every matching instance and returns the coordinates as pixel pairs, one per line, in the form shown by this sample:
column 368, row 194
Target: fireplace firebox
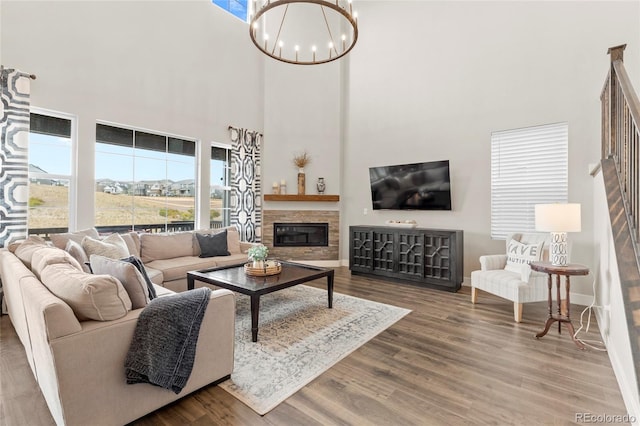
column 300, row 234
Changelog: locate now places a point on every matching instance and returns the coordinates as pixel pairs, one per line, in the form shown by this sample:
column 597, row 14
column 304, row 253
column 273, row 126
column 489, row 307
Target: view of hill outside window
column 220, row 186
column 50, row 173
column 144, row 181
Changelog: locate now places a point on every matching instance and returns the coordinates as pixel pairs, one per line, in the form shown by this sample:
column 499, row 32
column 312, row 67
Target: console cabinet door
column 437, row 257
column 384, row 248
column 409, row 246
column 360, row 249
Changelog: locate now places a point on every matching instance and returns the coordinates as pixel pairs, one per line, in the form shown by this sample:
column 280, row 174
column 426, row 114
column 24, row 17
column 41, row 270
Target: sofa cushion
column 233, row 259
column 132, row 280
column 155, row 275
column 112, row 246
column 24, row 250
column 46, row 256
column 165, row 246
column 91, row 297
column 177, row 268
column 233, row 239
column 77, row 252
column 60, row 240
column 213, row 244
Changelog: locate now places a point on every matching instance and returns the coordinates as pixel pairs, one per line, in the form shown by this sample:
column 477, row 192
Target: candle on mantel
column 283, row 187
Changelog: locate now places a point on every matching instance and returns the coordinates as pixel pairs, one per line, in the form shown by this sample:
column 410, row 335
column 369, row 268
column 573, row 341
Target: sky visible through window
column 235, row 7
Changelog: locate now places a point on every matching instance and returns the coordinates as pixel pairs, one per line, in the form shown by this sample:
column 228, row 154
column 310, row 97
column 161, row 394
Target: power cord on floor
column 589, row 343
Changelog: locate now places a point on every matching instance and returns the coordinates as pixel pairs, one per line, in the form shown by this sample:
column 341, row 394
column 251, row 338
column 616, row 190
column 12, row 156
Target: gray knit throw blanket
column 163, row 348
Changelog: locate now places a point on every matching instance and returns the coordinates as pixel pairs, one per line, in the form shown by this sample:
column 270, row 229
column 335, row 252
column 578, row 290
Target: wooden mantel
column 301, row 197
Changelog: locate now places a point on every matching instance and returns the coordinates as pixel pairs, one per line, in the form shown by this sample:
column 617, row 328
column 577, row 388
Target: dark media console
column 429, row 257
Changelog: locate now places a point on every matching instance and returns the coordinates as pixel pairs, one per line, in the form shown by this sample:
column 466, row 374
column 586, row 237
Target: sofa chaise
column 78, row 362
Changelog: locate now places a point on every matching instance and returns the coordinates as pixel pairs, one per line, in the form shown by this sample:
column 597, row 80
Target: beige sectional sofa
column 79, row 362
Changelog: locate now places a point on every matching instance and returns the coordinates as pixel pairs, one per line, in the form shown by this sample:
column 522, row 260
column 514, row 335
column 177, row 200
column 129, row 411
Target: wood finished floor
column 446, row 363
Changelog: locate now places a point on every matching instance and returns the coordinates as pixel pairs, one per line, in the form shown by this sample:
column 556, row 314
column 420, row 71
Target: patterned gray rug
column 298, row 339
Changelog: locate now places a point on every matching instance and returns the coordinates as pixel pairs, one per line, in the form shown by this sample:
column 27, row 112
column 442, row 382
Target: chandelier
column 304, row 32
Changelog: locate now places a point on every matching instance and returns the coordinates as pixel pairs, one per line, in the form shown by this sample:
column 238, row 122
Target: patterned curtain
column 246, row 191
column 15, row 89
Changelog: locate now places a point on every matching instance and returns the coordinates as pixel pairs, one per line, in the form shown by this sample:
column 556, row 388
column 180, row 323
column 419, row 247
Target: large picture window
column 529, row 166
column 51, row 166
column 144, row 180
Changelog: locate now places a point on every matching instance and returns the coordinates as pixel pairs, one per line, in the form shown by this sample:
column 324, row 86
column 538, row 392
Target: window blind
column 529, row 166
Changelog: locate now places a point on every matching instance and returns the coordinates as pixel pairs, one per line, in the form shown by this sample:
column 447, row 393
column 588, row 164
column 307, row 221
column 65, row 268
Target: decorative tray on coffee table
column 270, row 268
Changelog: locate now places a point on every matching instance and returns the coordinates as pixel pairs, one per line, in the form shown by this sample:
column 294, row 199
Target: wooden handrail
column 621, row 138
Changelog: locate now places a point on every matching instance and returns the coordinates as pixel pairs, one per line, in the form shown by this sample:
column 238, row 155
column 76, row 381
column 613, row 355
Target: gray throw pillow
column 128, row 275
column 213, row 244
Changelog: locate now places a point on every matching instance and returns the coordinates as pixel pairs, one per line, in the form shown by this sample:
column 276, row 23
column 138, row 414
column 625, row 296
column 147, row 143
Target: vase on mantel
column 301, row 182
column 321, row 186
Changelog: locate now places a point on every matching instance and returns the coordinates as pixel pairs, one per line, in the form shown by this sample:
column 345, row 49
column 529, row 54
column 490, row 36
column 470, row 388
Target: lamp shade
column 558, row 217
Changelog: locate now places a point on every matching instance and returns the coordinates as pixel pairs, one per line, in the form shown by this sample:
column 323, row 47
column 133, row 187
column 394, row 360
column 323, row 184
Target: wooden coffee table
column 234, row 278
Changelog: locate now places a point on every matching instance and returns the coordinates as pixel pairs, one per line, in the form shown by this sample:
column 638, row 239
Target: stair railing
column 621, row 137
column 620, row 168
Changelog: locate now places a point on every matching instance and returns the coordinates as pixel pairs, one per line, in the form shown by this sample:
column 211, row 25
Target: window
column 529, row 166
column 220, row 188
column 144, row 180
column 235, row 7
column 51, row 165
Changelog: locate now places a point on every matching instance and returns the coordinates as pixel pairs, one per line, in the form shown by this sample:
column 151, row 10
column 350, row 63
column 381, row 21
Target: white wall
column 432, row 80
column 302, row 112
column 427, row 81
column 186, row 68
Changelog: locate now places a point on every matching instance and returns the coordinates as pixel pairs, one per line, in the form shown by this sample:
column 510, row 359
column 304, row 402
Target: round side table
column 566, row 271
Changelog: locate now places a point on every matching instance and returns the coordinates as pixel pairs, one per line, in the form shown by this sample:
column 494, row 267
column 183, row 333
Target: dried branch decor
column 301, row 160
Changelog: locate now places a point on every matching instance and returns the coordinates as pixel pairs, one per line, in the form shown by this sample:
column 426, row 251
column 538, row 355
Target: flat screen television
column 417, row 186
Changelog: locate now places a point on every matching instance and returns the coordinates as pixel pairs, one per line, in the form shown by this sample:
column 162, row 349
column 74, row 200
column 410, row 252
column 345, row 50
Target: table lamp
column 558, row 219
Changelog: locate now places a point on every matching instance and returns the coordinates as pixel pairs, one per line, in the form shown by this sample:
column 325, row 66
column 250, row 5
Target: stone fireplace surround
column 330, row 252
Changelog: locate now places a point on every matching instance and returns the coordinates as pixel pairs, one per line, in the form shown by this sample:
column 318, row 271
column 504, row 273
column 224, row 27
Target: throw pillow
column 233, row 239
column 132, row 239
column 213, row 244
column 112, row 246
column 60, row 240
column 135, row 261
column 24, row 250
column 46, row 256
column 520, row 255
column 77, row 252
column 91, row 297
column 127, row 274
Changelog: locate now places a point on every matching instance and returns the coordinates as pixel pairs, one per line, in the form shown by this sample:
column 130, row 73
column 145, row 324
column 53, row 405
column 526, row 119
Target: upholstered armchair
column 510, row 276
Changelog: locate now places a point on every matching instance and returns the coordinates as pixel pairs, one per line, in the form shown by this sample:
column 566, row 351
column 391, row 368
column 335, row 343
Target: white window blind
column 529, row 166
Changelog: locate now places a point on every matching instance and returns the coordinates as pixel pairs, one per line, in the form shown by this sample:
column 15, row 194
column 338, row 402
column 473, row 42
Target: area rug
column 298, row 339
